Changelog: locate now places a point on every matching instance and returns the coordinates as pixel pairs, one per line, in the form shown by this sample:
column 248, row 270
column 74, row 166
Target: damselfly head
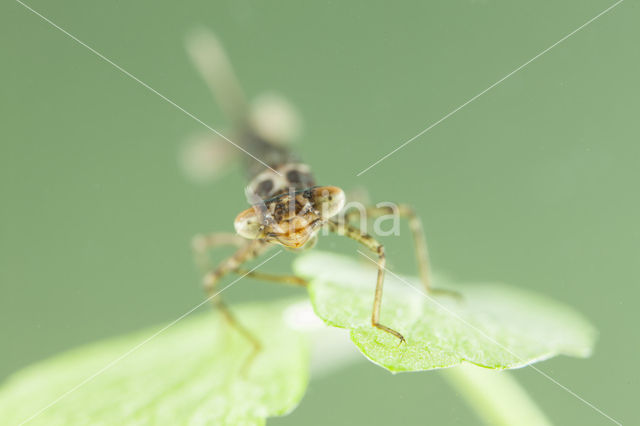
column 291, row 219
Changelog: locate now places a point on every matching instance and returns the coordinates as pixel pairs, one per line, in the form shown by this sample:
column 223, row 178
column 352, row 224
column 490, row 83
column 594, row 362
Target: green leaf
column 188, row 374
column 492, row 325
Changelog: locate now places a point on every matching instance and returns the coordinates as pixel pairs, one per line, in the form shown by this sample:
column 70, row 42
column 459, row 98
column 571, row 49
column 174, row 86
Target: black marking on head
column 299, row 177
column 294, row 176
column 265, row 186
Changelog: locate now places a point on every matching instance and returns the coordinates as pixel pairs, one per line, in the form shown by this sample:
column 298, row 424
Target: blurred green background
column 534, row 184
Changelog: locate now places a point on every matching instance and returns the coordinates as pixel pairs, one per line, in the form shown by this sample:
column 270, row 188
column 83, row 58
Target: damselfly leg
column 247, row 250
column 373, row 245
column 282, row 279
column 417, row 231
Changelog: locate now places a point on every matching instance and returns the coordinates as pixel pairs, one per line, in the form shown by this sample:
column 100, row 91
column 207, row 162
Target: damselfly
column 287, row 208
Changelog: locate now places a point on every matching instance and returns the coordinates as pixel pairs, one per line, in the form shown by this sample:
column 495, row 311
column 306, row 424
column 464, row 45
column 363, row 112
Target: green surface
column 191, row 372
column 492, row 325
column 534, row 183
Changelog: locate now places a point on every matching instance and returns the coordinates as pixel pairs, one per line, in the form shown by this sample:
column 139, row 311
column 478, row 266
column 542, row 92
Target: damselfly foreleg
column 203, row 243
column 282, row 279
column 248, row 250
column 377, row 248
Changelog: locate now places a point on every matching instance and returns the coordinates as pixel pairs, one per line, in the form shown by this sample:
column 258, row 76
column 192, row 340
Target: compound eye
column 247, row 224
column 329, row 200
